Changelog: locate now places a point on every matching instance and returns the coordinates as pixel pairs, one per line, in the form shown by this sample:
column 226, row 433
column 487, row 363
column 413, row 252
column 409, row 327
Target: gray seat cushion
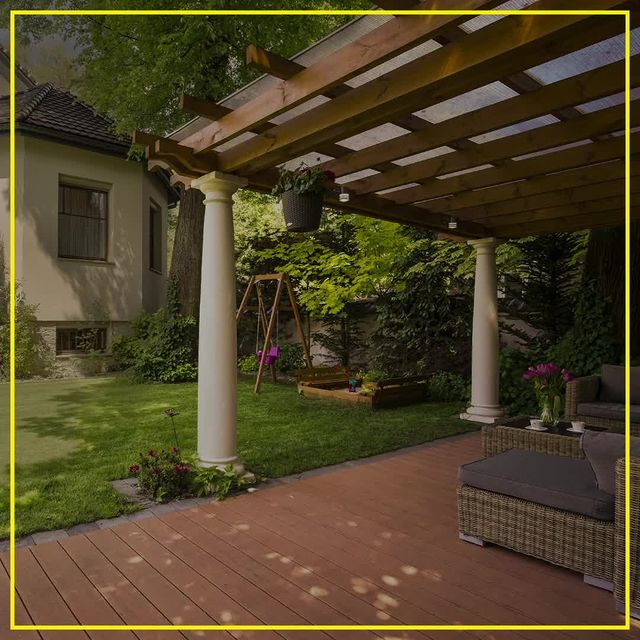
column 608, row 410
column 602, row 450
column 554, row 481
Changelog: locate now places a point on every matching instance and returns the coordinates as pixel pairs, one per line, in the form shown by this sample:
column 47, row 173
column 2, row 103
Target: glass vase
column 550, row 407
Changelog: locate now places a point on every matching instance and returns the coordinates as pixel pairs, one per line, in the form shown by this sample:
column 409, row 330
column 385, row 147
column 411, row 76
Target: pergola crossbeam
column 502, row 48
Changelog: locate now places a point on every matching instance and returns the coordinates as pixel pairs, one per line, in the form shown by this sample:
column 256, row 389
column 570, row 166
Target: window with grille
column 85, row 340
column 155, row 239
column 82, row 223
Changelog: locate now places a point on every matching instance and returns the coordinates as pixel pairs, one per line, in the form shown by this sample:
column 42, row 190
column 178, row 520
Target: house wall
column 71, row 292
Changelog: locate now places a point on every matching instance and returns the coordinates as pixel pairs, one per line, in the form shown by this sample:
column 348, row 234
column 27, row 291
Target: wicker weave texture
column 619, row 576
column 566, row 539
column 496, row 439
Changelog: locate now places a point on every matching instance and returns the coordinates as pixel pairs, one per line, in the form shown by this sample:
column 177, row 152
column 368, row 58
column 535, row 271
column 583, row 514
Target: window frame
column 155, row 210
column 101, row 338
column 94, row 189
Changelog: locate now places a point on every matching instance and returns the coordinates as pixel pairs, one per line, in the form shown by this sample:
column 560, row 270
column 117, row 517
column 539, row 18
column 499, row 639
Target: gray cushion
column 554, row 481
column 612, row 384
column 609, row 410
column 602, row 449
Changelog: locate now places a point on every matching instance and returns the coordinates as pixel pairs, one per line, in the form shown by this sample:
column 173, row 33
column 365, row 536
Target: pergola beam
column 487, row 199
column 600, row 219
column 579, row 89
column 390, row 39
column 556, row 161
column 502, row 48
column 531, row 141
column 505, row 210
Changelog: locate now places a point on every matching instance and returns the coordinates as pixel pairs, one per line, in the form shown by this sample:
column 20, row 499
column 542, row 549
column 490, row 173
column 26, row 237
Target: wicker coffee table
column 511, row 434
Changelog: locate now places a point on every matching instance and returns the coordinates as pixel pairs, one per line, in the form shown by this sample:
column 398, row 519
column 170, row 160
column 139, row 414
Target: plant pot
column 302, row 211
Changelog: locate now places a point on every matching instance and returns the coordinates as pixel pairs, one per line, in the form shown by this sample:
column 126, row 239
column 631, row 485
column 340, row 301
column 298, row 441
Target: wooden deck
column 367, row 543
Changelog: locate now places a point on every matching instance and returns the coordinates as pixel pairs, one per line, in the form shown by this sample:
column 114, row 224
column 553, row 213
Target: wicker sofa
column 600, row 400
column 589, row 544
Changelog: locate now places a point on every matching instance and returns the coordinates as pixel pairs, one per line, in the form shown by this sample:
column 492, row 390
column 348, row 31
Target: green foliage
column 213, row 481
column 291, row 357
column 374, row 375
column 445, row 386
column 424, row 322
column 591, row 342
column 341, row 336
column 163, row 475
column 136, row 67
column 32, row 355
column 517, row 394
column 248, row 363
column 305, row 179
column 540, row 289
column 162, row 348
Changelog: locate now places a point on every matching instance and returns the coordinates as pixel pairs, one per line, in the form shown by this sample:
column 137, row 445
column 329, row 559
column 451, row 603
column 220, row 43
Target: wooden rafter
column 542, row 185
column 506, row 46
column 547, row 137
column 551, row 162
column 579, row 89
column 390, row 39
column 490, row 214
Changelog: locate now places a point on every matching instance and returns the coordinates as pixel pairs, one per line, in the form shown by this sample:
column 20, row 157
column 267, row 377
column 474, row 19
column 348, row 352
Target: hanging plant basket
column 302, row 211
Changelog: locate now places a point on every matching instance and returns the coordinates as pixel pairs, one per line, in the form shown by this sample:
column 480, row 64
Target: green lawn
column 73, row 436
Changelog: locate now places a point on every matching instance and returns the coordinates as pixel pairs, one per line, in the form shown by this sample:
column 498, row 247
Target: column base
column 238, row 467
column 486, row 415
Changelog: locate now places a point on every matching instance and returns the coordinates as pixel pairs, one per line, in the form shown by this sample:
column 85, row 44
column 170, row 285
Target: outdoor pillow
column 608, row 410
column 612, row 384
column 602, row 449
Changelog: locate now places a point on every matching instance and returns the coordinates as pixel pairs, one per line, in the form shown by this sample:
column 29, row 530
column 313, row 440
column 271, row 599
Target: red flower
column 331, row 177
column 152, row 453
column 134, row 468
column 174, row 450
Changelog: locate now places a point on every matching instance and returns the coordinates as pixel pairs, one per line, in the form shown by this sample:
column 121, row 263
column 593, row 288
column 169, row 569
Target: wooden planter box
column 333, row 383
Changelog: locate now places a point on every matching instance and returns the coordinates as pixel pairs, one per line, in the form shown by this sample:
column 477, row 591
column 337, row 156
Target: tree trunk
column 186, row 261
column 605, row 264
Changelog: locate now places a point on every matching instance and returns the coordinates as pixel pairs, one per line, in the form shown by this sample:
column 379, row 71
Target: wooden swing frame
column 267, row 321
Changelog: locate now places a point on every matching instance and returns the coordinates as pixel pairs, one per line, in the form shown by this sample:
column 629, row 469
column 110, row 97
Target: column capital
column 484, row 245
column 217, row 185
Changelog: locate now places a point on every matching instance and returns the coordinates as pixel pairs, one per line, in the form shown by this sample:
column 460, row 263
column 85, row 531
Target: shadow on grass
column 107, row 423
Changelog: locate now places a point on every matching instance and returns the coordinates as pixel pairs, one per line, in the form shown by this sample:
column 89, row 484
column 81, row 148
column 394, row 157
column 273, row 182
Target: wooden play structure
column 268, row 321
column 333, row 383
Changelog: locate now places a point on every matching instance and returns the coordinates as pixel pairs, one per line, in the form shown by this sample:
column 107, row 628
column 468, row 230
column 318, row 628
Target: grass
column 73, row 436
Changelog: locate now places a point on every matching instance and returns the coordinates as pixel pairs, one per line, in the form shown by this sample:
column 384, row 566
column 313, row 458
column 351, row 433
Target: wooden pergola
column 477, row 129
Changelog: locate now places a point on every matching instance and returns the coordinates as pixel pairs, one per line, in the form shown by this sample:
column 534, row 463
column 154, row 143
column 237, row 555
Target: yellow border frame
column 348, row 12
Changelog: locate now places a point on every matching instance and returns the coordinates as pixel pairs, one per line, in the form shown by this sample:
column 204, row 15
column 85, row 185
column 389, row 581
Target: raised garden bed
column 333, row 383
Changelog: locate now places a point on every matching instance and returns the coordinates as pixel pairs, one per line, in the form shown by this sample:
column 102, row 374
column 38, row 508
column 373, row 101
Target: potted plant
column 549, row 381
column 302, row 191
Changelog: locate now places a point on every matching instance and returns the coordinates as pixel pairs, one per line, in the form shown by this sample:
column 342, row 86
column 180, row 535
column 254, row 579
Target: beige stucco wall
column 77, row 290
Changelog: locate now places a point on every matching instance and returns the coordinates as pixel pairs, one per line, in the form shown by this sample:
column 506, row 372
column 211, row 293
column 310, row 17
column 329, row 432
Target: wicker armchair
column 589, row 546
column 584, row 390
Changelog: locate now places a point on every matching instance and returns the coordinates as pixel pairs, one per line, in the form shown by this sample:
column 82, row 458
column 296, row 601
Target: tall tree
column 134, row 68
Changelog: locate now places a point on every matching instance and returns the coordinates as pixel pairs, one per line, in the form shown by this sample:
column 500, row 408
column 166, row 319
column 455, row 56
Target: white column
column 217, row 368
column 485, row 397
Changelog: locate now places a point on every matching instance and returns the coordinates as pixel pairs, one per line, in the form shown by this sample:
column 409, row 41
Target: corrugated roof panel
column 465, row 102
column 358, row 175
column 381, row 133
column 544, row 152
column 480, row 22
column 310, row 159
column 514, row 129
column 609, row 101
column 461, row 173
column 591, row 57
column 424, row 155
column 400, row 188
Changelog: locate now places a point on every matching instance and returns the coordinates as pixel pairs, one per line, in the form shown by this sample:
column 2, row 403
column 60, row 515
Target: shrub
column 213, row 481
column 516, row 394
column 164, row 475
column 375, row 375
column 248, row 364
column 445, row 386
column 162, row 348
column 291, row 358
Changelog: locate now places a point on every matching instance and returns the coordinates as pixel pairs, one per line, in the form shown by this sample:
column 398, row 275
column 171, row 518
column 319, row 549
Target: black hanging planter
column 302, row 211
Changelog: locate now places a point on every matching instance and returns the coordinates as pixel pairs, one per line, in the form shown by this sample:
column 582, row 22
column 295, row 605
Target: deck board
column 369, row 542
